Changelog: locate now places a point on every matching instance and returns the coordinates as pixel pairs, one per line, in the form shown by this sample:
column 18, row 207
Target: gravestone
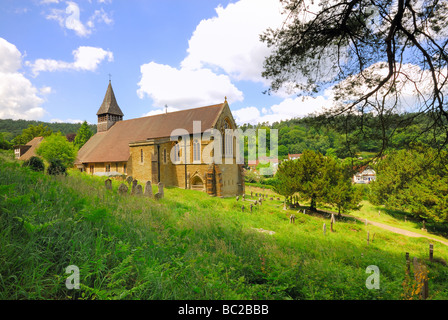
column 292, row 218
column 159, row 194
column 138, row 190
column 237, row 198
column 134, row 185
column 148, row 189
column 242, row 208
column 251, row 193
column 129, row 180
column 244, row 197
column 123, row 189
column 251, row 206
column 108, row 184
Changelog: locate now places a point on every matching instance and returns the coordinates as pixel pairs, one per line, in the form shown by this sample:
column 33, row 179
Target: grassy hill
column 188, row 246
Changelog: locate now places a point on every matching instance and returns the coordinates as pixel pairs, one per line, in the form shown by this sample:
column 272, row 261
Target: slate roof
column 113, row 145
column 109, row 104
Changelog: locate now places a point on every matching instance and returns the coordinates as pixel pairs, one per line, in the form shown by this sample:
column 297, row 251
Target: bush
column 56, row 167
column 35, row 164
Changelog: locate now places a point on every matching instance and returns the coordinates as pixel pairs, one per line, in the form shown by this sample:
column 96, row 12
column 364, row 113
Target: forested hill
column 15, row 127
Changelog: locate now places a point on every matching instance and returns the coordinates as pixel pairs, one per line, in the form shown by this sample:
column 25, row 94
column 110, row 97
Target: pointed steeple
column 109, row 112
column 110, row 105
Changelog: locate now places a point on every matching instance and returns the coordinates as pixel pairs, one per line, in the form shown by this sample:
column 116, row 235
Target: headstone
column 237, row 198
column 424, row 227
column 129, row 180
column 368, row 237
column 148, row 189
column 251, row 206
column 332, row 222
column 292, row 219
column 134, row 185
column 251, row 193
column 138, row 190
column 325, row 228
column 242, row 208
column 408, row 263
column 244, row 197
column 159, row 194
column 431, row 252
column 123, row 189
column 108, row 184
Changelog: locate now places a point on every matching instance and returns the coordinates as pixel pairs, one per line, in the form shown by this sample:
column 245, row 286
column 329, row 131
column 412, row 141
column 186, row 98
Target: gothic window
column 196, row 150
column 176, row 152
column 227, row 139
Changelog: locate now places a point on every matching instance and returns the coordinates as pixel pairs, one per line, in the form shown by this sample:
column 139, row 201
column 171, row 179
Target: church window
column 141, row 155
column 196, row 151
column 228, row 139
column 176, row 153
column 164, row 156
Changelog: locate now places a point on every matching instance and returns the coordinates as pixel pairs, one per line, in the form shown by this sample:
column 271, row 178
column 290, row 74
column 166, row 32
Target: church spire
column 109, row 111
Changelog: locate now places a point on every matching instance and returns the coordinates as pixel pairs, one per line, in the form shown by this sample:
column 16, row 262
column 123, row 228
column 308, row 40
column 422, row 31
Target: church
column 142, row 148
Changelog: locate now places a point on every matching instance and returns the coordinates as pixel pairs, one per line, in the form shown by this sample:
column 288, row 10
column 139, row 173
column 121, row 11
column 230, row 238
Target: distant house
column 365, row 175
column 263, row 160
column 24, row 152
column 294, row 156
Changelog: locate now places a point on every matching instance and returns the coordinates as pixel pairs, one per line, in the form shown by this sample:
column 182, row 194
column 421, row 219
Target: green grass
column 185, row 246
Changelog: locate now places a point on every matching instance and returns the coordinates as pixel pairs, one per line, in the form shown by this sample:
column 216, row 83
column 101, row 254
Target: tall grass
column 185, row 246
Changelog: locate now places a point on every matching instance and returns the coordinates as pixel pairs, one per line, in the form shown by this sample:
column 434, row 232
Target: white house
column 366, row 175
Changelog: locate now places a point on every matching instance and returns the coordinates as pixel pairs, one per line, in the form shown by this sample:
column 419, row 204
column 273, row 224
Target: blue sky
column 56, row 57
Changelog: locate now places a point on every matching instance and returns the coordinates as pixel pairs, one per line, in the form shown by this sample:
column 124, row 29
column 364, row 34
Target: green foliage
column 56, row 147
column 186, row 246
column 32, row 132
column 414, row 180
column 4, row 143
column 35, row 164
column 56, row 167
column 83, row 135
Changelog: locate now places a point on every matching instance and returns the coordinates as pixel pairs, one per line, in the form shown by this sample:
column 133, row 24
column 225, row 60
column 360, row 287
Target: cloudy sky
column 56, row 57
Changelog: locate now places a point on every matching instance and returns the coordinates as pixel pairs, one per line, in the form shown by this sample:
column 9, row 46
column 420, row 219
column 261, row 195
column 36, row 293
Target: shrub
column 35, row 164
column 56, row 167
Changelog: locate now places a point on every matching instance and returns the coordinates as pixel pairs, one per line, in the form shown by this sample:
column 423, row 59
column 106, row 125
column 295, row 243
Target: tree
column 414, row 180
column 56, row 147
column 56, row 167
column 4, row 143
column 379, row 57
column 83, row 135
column 35, row 164
column 32, row 132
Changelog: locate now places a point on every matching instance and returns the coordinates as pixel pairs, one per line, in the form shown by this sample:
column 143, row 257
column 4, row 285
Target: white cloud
column 285, row 110
column 230, row 41
column 45, row 90
column 185, row 88
column 18, row 97
column 85, row 59
column 49, row 1
column 66, row 121
column 159, row 111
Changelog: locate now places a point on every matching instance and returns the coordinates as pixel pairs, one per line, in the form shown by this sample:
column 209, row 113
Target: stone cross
column 123, row 189
column 148, row 189
column 108, row 184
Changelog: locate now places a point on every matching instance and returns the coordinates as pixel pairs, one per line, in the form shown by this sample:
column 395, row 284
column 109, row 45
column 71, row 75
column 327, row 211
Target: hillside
column 15, row 127
column 189, row 246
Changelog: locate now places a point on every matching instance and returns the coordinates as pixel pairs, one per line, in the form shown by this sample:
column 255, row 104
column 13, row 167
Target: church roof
column 113, row 145
column 110, row 104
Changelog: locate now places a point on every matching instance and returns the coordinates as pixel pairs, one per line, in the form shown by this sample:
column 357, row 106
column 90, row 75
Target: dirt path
column 390, row 228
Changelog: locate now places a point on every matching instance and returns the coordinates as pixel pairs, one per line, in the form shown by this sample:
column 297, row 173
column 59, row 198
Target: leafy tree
column 378, row 56
column 285, row 178
column 414, row 180
column 35, row 164
column 83, row 135
column 56, row 147
column 4, row 143
column 32, row 132
column 56, row 167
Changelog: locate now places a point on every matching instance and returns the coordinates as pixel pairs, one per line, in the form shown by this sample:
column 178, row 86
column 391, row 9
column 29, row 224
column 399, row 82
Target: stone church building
column 141, row 148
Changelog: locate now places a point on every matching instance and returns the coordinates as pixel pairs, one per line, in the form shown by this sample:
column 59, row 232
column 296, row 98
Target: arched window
column 196, row 151
column 176, row 153
column 227, row 139
column 141, row 155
